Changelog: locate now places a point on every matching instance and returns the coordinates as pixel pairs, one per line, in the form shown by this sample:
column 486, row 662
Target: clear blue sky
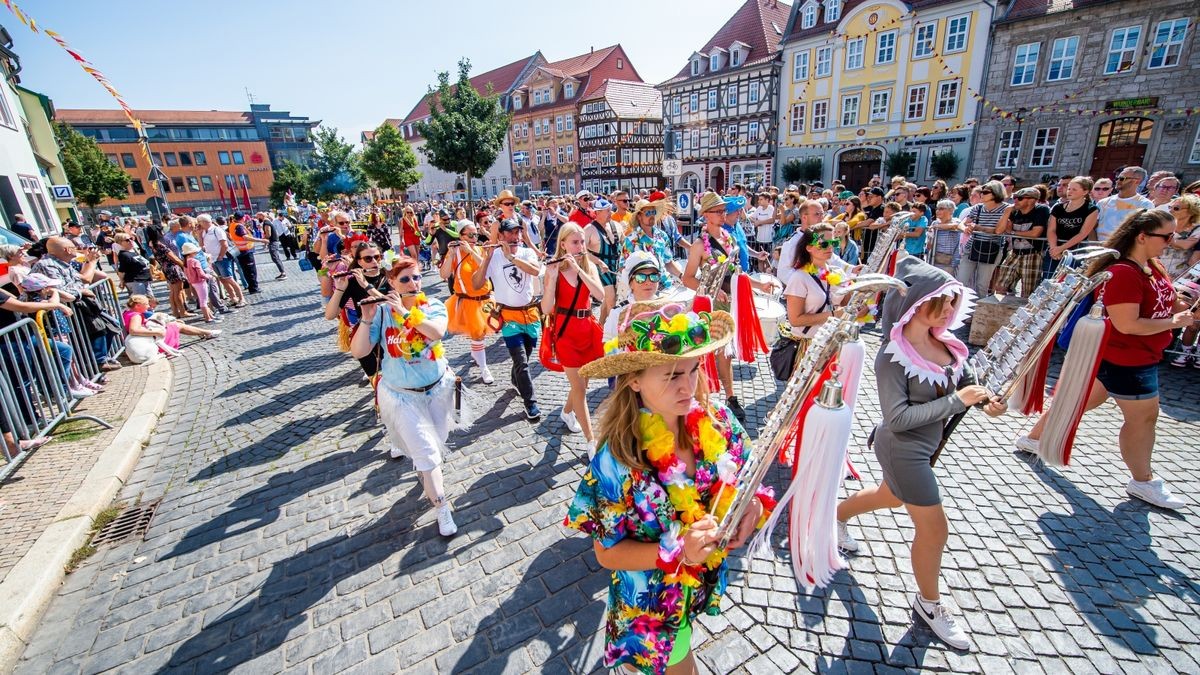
column 350, row 63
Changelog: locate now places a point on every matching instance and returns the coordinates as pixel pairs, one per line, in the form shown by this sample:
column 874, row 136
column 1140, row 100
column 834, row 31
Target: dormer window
column 808, row 16
column 517, row 102
column 735, row 58
column 833, row 10
column 714, row 63
column 695, row 66
column 568, row 89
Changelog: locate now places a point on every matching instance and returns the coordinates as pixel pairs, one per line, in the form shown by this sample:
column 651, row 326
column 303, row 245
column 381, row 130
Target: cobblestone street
column 286, row 540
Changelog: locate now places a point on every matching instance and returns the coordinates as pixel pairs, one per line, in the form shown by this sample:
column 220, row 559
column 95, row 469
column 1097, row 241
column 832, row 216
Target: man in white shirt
column 1114, row 209
column 811, row 213
column 511, row 274
column 215, row 243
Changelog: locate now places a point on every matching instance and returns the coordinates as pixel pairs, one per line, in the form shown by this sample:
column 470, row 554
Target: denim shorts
column 224, row 267
column 1129, row 383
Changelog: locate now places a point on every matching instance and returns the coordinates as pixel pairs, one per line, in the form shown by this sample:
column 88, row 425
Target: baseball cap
column 582, row 193
column 877, row 191
column 734, row 204
column 509, row 224
column 601, row 204
column 845, row 194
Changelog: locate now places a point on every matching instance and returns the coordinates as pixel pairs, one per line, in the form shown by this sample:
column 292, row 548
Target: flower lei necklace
column 831, row 277
column 716, row 473
column 407, row 342
column 726, row 243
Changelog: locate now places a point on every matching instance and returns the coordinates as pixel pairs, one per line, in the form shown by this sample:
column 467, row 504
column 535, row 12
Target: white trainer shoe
column 445, row 518
column 941, row 620
column 570, row 420
column 1154, row 492
column 846, row 541
column 80, row 392
column 1028, row 445
column 485, row 375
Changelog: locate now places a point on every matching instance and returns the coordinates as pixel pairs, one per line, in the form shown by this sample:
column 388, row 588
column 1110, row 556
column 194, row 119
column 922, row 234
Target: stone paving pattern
column 287, row 542
column 31, row 498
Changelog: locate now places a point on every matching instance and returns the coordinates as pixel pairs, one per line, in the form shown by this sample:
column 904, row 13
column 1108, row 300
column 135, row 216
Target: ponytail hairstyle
column 1125, row 237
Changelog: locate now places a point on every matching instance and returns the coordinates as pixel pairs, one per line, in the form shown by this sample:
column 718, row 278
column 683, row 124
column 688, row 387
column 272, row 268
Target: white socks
column 478, row 353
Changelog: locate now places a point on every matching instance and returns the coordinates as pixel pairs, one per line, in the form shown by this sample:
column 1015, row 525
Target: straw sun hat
column 659, row 333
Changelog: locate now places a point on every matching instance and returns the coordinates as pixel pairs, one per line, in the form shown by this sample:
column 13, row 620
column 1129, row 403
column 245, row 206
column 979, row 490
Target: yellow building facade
column 864, row 80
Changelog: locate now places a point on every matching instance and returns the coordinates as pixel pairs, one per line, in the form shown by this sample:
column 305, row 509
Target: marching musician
column 604, row 239
column 465, row 306
column 652, row 496
column 923, row 380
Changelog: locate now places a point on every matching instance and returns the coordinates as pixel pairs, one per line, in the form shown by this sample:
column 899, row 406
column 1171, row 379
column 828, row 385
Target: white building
column 24, row 185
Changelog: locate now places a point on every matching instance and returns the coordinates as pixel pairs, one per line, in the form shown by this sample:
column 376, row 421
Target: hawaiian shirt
column 614, row 502
column 658, row 244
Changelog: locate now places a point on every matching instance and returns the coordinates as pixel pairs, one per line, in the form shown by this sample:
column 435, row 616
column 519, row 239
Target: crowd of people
column 607, row 287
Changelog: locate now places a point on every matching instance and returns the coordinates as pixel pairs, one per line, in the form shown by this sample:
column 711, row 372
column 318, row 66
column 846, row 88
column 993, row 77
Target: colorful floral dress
column 613, row 503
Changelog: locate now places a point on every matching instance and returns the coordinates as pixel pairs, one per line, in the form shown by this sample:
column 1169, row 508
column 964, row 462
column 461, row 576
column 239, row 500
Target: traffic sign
column 62, row 193
column 683, row 202
column 672, row 167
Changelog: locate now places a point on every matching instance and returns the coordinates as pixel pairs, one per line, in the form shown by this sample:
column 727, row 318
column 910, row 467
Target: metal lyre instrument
column 711, row 278
column 1187, row 285
column 825, row 345
column 888, row 241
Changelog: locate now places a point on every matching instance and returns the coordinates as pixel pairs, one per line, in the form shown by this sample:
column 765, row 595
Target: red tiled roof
column 501, row 79
column 754, row 23
column 591, row 69
column 1028, row 9
column 639, row 100
column 85, row 116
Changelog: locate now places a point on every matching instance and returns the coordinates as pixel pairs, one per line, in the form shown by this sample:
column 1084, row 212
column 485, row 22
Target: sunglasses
column 1165, row 237
column 343, row 222
column 408, row 277
column 822, row 242
column 650, row 212
column 1166, row 188
column 474, row 235
column 1101, row 189
column 673, row 344
column 1125, row 178
column 508, row 203
column 370, row 258
column 1178, row 208
column 643, row 277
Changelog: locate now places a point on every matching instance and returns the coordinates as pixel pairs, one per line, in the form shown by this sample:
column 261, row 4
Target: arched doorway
column 856, row 166
column 717, row 184
column 459, row 185
column 689, row 181
column 1121, row 142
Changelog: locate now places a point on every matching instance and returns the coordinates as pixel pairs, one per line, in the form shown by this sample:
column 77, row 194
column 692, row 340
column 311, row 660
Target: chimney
column 591, row 50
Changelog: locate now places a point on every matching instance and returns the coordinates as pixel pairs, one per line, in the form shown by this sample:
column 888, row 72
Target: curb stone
column 28, row 588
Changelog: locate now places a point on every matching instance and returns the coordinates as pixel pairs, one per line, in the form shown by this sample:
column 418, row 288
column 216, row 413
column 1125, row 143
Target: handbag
column 548, row 351
column 305, row 264
column 783, row 357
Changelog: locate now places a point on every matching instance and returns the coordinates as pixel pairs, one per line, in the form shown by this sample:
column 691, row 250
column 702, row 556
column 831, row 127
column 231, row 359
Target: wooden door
column 1121, row 143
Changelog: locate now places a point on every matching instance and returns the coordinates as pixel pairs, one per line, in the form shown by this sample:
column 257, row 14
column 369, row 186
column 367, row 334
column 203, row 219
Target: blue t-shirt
column 333, row 244
column 182, row 238
column 739, row 238
column 398, row 372
column 916, row 245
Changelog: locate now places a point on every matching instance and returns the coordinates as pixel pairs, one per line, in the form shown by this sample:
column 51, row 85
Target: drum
column 771, row 313
column 680, row 294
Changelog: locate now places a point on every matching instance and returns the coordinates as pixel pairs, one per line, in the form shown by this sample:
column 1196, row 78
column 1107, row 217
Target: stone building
column 863, row 80
column 620, row 137
column 1090, row 86
column 720, row 109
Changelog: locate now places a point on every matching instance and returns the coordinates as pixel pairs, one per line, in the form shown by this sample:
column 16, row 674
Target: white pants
column 418, row 422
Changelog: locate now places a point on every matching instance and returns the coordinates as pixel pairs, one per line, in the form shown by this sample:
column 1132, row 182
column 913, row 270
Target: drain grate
column 132, row 523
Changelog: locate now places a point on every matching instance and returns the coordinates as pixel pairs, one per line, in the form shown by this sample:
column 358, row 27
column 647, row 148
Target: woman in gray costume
column 923, row 380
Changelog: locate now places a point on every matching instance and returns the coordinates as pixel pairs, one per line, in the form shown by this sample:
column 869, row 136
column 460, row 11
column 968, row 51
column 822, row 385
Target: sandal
column 34, row 444
column 212, row 334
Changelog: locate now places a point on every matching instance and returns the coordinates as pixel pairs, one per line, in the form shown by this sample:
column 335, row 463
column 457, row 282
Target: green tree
column 388, row 160
column 945, row 165
column 465, row 130
column 92, row 177
column 804, row 170
column 335, row 165
column 899, row 163
column 292, row 176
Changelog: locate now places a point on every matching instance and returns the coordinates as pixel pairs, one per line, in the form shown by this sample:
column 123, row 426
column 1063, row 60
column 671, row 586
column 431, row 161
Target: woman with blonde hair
column 465, row 306
column 572, row 331
column 410, row 233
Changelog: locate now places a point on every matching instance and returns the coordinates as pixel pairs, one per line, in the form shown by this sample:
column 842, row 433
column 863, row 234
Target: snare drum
column 770, row 314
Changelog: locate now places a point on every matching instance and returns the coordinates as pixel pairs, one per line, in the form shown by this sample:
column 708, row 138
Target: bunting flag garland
column 90, row 69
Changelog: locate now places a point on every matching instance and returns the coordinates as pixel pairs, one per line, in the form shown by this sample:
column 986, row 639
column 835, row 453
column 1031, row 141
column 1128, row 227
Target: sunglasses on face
column 408, row 278
column 370, row 258
column 343, row 222
column 1101, row 188
column 1166, row 188
column 1124, row 178
column 1177, row 208
column 650, row 212
column 822, row 242
column 473, row 235
column 1168, row 236
column 675, row 344
column 643, row 277
column 508, row 203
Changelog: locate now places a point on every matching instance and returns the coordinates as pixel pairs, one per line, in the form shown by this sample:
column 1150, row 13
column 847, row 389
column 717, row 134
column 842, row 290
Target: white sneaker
column 485, row 375
column 569, row 420
column 941, row 621
column 396, row 453
column 1155, row 492
column 846, row 541
column 80, row 392
column 446, row 526
column 1027, row 444
column 1187, row 356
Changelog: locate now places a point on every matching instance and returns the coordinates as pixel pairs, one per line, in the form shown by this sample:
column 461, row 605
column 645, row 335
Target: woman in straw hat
column 662, row 478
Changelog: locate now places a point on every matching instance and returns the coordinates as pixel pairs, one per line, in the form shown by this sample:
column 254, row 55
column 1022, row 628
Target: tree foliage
column 465, row 131
column 388, row 160
column 93, row 178
column 292, row 176
column 899, row 163
column 335, row 165
column 945, row 165
column 804, row 170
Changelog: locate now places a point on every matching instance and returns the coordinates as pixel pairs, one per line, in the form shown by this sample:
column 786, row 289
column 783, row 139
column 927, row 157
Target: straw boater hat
column 660, row 333
column 505, row 195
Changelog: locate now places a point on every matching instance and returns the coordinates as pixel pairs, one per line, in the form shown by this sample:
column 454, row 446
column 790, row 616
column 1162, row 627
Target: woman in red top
column 576, row 335
column 1142, row 310
column 410, row 233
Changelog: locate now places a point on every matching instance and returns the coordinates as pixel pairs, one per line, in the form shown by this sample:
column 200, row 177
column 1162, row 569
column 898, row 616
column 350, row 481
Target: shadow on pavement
column 319, row 362
column 285, row 401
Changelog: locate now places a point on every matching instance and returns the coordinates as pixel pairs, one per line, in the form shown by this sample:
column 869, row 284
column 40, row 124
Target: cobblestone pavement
column 286, row 541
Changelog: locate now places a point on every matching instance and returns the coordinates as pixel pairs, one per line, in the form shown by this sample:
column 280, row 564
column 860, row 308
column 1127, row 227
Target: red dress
column 410, row 232
column 583, row 340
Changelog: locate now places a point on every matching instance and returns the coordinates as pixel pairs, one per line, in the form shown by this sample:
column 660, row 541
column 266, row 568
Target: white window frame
column 731, row 134
column 695, row 67
column 35, row 194
column 562, row 186
column 561, row 154
column 1045, row 147
column 1025, row 61
column 558, row 123
column 694, row 140
column 714, row 62
column 1062, row 56
column 808, row 16
column 752, row 131
column 948, row 94
column 731, row 95
column 962, row 36
column 676, row 105
column 825, row 59
column 694, row 102
column 856, row 51
column 850, row 109
column 800, row 66
column 1168, row 44
column 570, row 154
column 569, row 122
column 820, row 115
column 880, row 113
column 570, row 186
column 1124, row 32
column 1194, row 155
column 525, row 129
column 569, row 89
column 833, row 10
column 516, row 103
column 800, row 110
column 735, row 58
column 924, row 36
column 909, row 103
column 537, row 127
column 1008, row 148
column 714, row 99
column 752, row 93
column 885, row 53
